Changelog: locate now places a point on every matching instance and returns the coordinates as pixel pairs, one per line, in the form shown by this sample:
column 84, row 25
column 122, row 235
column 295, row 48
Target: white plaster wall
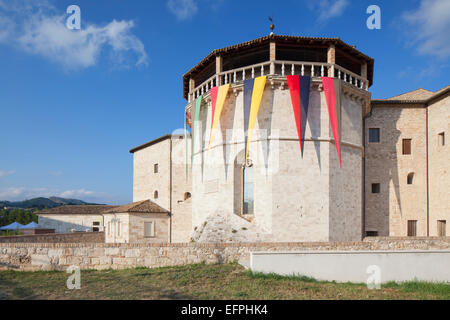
column 63, row 223
column 399, row 266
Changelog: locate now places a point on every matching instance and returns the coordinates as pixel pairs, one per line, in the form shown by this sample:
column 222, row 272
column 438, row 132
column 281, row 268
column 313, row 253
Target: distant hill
column 41, row 203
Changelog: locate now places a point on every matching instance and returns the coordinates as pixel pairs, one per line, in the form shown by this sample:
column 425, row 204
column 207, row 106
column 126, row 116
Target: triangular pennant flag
column 305, row 83
column 294, row 89
column 217, row 108
column 258, row 90
column 299, row 88
column 332, row 89
column 195, row 117
column 248, row 92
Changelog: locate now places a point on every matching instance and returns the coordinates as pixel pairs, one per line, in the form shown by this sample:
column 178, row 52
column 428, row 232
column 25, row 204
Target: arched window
column 155, row 194
column 410, row 177
column 187, row 195
column 248, row 196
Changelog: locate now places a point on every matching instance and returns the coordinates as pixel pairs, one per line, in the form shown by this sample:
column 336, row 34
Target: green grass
column 224, row 281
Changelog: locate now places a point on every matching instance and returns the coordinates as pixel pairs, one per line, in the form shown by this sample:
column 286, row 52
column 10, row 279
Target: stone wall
column 439, row 159
column 52, row 256
column 170, row 182
column 388, row 212
column 75, row 237
column 296, row 198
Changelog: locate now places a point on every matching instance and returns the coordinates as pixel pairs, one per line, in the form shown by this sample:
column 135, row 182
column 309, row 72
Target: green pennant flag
column 194, row 120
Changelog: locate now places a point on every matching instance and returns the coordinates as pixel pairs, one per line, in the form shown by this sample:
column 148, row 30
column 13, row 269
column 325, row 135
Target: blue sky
column 72, row 103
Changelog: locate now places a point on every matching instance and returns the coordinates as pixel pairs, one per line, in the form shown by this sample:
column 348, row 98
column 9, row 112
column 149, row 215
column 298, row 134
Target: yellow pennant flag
column 258, row 90
column 218, row 106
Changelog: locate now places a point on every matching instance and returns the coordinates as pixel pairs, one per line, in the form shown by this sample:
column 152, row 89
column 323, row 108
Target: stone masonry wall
column 75, row 237
column 49, row 256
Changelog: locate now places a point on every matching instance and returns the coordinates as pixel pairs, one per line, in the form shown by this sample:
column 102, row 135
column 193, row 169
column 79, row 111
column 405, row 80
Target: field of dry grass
column 229, row 281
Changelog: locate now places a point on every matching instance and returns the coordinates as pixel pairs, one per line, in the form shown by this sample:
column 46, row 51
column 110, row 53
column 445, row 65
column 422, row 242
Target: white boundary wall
column 340, row 266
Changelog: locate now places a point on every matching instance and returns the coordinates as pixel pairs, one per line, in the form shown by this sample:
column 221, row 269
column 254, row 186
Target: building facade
column 393, row 177
column 407, row 165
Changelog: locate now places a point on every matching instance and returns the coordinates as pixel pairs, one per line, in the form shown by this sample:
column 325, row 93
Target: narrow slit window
column 155, row 194
column 410, row 178
column 155, row 168
column 441, row 139
column 442, row 226
column 412, row 228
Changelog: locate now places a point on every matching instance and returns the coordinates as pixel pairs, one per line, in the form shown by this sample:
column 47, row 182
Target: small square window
column 406, row 146
column 375, row 188
column 441, row 139
column 374, row 135
column 155, row 168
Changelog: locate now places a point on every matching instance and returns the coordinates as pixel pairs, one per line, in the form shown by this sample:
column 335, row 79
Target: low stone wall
column 74, row 237
column 58, row 256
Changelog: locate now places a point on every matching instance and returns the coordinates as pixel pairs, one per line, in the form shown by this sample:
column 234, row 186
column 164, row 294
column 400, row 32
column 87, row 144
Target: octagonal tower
column 278, row 194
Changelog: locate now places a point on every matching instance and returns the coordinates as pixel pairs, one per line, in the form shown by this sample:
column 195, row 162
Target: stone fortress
column 391, row 179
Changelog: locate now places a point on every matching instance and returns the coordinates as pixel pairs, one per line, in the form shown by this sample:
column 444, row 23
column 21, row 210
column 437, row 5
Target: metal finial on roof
column 272, row 26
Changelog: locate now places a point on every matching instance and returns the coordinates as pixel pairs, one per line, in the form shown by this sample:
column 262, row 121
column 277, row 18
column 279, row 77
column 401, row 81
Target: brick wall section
column 76, row 237
column 52, row 256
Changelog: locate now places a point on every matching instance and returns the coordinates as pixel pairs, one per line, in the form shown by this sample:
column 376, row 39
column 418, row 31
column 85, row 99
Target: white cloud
column 329, row 8
column 429, row 27
column 76, row 193
column 40, row 30
column 183, row 9
column 6, row 173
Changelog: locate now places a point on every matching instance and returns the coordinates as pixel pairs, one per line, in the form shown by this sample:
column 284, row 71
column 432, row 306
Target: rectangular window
column 371, row 233
column 109, row 228
column 155, row 168
column 441, row 139
column 406, row 146
column 375, row 188
column 96, row 223
column 412, row 228
column 118, row 228
column 442, row 225
column 149, row 229
column 374, row 135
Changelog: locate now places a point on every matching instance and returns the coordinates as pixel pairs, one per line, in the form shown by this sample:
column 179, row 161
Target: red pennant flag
column 214, row 93
column 332, row 89
column 294, row 88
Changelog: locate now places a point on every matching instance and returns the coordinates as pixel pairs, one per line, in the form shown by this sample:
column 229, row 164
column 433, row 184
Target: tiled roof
column 419, row 97
column 82, row 209
column 307, row 41
column 418, row 94
column 154, row 141
column 146, row 206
